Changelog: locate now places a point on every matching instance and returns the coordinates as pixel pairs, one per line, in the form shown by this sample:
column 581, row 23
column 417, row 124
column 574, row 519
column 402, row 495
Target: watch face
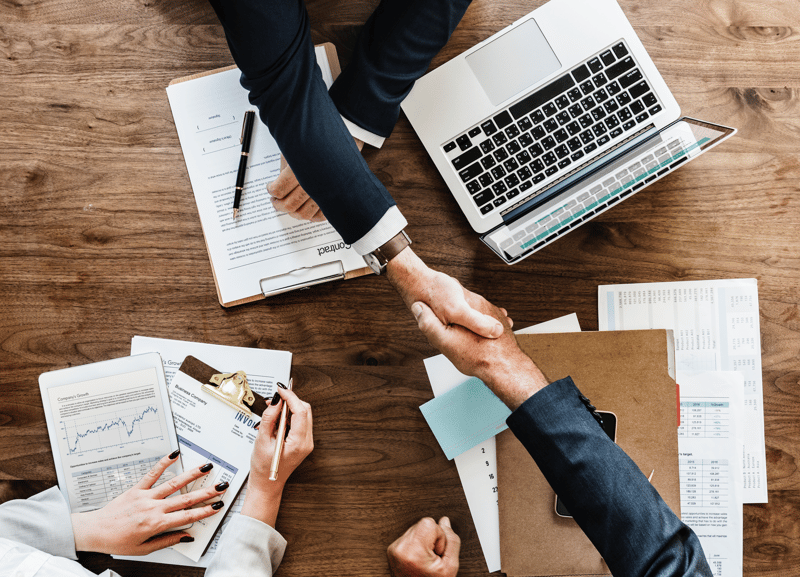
column 372, row 262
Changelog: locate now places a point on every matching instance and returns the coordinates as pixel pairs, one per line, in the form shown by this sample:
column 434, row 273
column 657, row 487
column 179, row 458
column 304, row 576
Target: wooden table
column 100, row 241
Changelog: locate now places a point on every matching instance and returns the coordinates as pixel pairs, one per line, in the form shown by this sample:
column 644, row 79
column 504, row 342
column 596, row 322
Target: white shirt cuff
column 387, row 227
column 364, row 135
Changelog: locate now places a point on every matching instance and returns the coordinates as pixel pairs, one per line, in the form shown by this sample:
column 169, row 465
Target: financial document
column 264, row 368
column 477, row 467
column 110, row 432
column 710, row 442
column 716, row 325
column 262, row 244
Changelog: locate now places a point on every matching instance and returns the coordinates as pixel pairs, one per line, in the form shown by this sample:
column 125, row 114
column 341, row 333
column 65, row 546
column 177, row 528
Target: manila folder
column 624, row 372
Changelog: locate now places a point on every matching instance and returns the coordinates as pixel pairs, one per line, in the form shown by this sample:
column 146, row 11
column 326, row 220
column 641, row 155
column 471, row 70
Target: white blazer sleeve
column 42, row 521
column 247, row 547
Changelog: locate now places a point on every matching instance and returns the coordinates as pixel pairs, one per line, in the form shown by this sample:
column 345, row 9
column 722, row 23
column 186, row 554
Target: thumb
column 162, row 541
column 428, row 323
column 453, row 543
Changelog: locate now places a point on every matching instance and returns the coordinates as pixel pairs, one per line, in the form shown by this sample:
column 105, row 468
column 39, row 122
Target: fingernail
column 445, row 521
column 174, row 454
column 222, row 486
column 281, row 385
column 416, row 310
column 276, row 399
column 257, row 425
column 187, row 539
column 206, row 468
column 498, row 329
column 218, row 505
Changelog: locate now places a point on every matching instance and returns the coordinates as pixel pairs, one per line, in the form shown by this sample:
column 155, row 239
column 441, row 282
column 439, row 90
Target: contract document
column 263, row 251
column 710, row 442
column 716, row 326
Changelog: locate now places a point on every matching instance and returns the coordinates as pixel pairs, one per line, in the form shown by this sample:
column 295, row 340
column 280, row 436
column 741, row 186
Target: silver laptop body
column 550, row 122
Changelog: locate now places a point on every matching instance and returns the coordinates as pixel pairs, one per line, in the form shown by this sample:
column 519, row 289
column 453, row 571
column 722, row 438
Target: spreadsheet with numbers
column 711, row 447
column 716, row 328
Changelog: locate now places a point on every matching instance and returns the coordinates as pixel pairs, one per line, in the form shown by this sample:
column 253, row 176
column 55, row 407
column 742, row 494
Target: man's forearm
column 271, row 44
column 607, row 494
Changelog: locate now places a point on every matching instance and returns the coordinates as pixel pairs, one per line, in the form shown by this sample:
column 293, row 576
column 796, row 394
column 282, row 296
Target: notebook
column 550, row 122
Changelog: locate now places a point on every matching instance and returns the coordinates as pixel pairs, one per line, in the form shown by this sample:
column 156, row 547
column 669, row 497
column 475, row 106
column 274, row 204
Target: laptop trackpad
column 518, row 59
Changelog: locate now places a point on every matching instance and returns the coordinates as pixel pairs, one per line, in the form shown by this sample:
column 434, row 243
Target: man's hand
column 450, row 302
column 288, row 196
column 499, row 363
column 427, row 549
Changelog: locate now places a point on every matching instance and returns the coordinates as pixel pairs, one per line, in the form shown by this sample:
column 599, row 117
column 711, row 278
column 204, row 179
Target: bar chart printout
column 111, row 431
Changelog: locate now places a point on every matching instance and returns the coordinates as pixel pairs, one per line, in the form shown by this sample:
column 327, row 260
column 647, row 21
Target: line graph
column 112, row 429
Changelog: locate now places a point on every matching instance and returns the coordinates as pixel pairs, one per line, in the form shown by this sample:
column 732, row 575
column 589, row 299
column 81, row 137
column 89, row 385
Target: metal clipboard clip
column 303, row 277
column 232, row 389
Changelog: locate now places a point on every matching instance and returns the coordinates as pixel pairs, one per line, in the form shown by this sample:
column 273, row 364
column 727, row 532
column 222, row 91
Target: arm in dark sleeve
column 608, row 496
column 271, row 44
column 394, row 48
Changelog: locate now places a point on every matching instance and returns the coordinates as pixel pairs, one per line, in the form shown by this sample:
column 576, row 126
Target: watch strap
column 393, row 247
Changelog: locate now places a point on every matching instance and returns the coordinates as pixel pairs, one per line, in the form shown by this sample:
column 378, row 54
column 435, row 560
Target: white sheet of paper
column 716, row 324
column 710, row 443
column 262, row 243
column 477, row 468
column 263, row 367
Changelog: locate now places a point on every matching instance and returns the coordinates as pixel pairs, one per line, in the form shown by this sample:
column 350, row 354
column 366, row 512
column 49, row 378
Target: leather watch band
column 394, row 246
column 380, row 257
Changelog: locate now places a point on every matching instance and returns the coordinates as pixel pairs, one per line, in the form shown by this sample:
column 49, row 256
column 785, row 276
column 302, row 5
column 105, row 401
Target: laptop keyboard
column 553, row 130
column 542, row 227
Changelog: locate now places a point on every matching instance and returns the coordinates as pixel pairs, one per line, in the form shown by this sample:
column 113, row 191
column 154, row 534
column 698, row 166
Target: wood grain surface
column 100, row 241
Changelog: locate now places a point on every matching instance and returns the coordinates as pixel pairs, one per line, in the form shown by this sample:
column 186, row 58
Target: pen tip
column 235, row 213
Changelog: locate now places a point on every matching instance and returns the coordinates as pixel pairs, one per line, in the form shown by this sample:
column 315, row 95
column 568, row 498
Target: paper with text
column 716, row 326
column 477, row 467
column 710, row 443
column 262, row 243
column 263, row 368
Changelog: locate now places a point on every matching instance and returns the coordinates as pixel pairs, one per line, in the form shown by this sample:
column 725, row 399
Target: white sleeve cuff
column 364, row 135
column 387, row 227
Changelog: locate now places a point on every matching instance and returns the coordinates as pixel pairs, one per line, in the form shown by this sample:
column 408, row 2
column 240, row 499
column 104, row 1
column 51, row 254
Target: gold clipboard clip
column 232, row 389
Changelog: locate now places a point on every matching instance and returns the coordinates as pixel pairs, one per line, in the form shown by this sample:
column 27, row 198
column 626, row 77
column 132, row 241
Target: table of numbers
column 96, row 487
column 704, row 483
column 705, row 419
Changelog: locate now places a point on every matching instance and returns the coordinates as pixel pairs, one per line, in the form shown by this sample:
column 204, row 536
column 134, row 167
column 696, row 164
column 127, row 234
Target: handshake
column 476, row 337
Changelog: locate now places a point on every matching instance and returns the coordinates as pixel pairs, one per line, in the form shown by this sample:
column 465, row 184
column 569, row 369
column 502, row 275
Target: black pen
column 247, row 132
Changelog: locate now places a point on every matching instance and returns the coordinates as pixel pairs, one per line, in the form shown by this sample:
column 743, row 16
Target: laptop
column 550, row 122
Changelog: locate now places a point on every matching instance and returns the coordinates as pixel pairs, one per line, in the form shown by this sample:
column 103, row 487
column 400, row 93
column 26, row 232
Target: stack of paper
column 718, row 357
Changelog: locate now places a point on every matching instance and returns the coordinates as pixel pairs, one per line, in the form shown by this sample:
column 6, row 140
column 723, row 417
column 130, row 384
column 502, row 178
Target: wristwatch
column 380, row 257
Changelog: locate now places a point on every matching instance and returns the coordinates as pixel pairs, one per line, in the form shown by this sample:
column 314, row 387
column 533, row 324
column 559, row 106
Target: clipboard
column 297, row 278
column 215, row 418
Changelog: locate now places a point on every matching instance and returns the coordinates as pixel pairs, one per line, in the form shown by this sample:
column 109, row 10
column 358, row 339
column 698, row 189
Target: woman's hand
column 138, row 521
column 264, row 496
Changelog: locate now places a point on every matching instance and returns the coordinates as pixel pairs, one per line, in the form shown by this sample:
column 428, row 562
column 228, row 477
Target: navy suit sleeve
column 271, row 44
column 619, row 510
column 394, row 49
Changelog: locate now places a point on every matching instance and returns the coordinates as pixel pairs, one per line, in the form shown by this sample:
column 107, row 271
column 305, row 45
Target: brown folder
column 625, row 372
